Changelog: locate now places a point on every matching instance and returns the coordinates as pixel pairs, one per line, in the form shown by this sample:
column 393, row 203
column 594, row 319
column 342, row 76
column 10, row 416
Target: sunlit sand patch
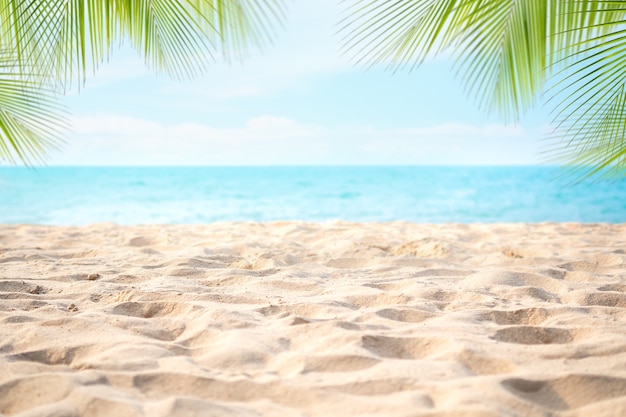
column 294, row 318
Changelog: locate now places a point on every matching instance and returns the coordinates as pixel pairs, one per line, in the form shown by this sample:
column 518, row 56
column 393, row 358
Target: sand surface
column 301, row 319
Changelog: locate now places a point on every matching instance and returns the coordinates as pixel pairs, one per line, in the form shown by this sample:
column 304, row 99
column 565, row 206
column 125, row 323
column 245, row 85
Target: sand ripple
column 300, row 319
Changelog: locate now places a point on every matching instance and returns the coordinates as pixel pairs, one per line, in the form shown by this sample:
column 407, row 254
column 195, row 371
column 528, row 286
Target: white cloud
column 121, row 140
column 270, row 140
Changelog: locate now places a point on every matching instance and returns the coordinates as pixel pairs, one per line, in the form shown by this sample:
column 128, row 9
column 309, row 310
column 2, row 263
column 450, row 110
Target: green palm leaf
column 178, row 37
column 500, row 45
column 589, row 93
column 506, row 51
column 32, row 120
column 63, row 38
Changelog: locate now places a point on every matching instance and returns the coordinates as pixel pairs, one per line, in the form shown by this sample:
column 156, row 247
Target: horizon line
column 35, row 167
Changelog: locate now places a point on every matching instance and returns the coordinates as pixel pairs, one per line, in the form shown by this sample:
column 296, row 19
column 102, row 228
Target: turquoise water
column 76, row 196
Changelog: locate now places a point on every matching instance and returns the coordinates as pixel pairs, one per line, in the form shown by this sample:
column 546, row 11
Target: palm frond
column 168, row 35
column 238, row 25
column 506, row 50
column 503, row 66
column 32, row 121
column 64, row 38
column 589, row 96
column 500, row 45
column 177, row 37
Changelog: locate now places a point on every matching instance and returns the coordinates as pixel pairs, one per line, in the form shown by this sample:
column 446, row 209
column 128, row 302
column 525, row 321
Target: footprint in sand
column 568, row 392
column 482, row 363
column 405, row 315
column 531, row 335
column 25, row 393
column 152, row 309
column 327, row 363
column 403, row 347
column 377, row 387
column 53, row 356
column 596, row 298
column 525, row 316
column 19, row 286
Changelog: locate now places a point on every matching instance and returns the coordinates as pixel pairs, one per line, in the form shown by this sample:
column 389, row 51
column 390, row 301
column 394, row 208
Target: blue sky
column 298, row 102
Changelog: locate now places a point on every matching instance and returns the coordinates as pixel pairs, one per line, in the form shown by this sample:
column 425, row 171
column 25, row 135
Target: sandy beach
column 305, row 319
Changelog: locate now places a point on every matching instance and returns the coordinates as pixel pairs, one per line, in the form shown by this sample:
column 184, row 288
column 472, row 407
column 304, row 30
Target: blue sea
column 78, row 196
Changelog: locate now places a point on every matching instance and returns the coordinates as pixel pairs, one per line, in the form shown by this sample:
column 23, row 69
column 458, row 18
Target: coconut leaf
column 508, row 53
column 32, row 121
column 589, row 99
column 178, row 37
column 499, row 45
column 64, row 39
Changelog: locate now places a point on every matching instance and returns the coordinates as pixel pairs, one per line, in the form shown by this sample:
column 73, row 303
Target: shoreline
column 300, row 318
